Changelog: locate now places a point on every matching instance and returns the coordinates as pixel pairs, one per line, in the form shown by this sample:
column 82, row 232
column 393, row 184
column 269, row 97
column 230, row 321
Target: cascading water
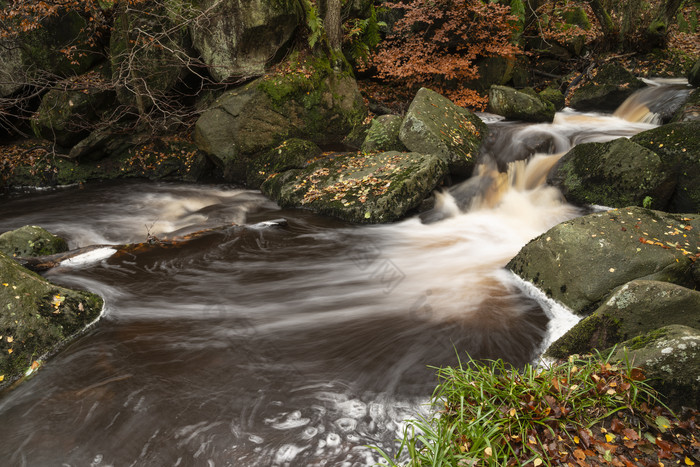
column 290, row 345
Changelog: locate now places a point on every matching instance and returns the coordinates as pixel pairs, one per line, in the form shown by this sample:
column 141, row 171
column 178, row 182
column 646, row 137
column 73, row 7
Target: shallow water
column 291, row 344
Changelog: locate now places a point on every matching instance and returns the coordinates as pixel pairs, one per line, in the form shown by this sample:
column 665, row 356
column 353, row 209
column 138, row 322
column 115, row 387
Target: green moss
column 640, row 342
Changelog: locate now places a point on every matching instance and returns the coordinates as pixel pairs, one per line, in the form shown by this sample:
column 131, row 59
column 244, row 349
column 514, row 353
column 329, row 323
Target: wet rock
column 435, row 125
column 678, row 147
column 240, row 39
column 314, row 103
column 520, row 105
column 383, row 135
column 360, row 188
column 579, row 262
column 606, row 89
column 291, row 154
column 632, row 310
column 553, row 95
column 37, row 317
column 690, row 110
column 31, row 240
column 616, row 173
column 670, row 358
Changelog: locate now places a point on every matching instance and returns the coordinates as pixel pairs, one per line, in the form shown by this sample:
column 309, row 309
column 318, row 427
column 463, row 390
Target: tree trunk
column 332, row 24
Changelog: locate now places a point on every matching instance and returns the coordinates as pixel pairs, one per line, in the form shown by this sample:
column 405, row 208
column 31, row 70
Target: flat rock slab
column 579, row 262
column 360, row 188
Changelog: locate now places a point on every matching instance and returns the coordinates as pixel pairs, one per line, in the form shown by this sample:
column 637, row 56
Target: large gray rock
column 148, row 51
column 360, row 188
column 36, row 317
column 314, row 103
column 31, row 240
column 520, row 105
column 383, row 135
column 435, row 125
column 678, row 147
column 238, row 39
column 579, row 262
column 633, row 309
column 616, row 173
column 670, row 358
column 291, row 154
column 690, row 110
column 606, row 89
column 694, row 74
column 65, row 115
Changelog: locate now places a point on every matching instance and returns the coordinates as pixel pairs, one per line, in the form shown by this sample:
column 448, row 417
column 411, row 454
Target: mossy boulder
column 617, row 173
column 291, row 154
column 383, row 135
column 678, row 147
column 30, row 53
column 31, row 240
column 580, row 261
column 36, row 317
column 65, row 115
column 606, row 89
column 240, row 38
column 694, row 74
column 312, row 102
column 690, row 110
column 670, row 358
column 435, row 125
column 148, row 50
column 495, row 70
column 634, row 309
column 167, row 158
column 360, row 188
column 523, row 105
column 553, row 95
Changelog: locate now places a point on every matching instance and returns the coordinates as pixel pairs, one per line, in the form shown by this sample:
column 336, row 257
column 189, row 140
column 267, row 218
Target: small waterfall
column 654, row 104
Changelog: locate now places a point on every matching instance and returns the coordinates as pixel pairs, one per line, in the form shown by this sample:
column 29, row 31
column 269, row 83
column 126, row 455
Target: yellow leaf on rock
column 688, row 461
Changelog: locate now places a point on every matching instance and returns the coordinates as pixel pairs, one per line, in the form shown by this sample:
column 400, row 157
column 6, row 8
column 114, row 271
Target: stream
column 299, row 342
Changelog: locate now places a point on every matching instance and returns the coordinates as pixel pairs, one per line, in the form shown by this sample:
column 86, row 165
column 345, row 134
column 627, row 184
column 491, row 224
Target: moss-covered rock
column 579, row 262
column 694, row 74
column 606, row 89
column 167, row 158
column 65, row 115
column 435, row 125
column 617, row 173
column 31, row 240
column 520, row 105
column 690, row 110
column 36, row 317
column 383, row 135
column 632, row 310
column 360, row 188
column 312, row 102
column 496, row 70
column 670, row 358
column 240, row 39
column 291, row 154
column 553, row 95
column 678, row 147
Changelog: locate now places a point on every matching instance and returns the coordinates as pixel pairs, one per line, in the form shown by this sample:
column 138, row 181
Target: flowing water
column 283, row 343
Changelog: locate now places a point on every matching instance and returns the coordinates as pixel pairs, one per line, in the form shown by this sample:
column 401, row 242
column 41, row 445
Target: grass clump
column 582, row 411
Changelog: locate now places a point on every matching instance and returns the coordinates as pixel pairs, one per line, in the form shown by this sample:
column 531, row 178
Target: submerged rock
column 633, row 309
column 312, row 102
column 579, row 262
column 520, row 105
column 670, row 358
column 607, row 88
column 678, row 147
column 435, row 125
column 31, row 240
column 360, row 188
column 37, row 317
column 616, row 173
